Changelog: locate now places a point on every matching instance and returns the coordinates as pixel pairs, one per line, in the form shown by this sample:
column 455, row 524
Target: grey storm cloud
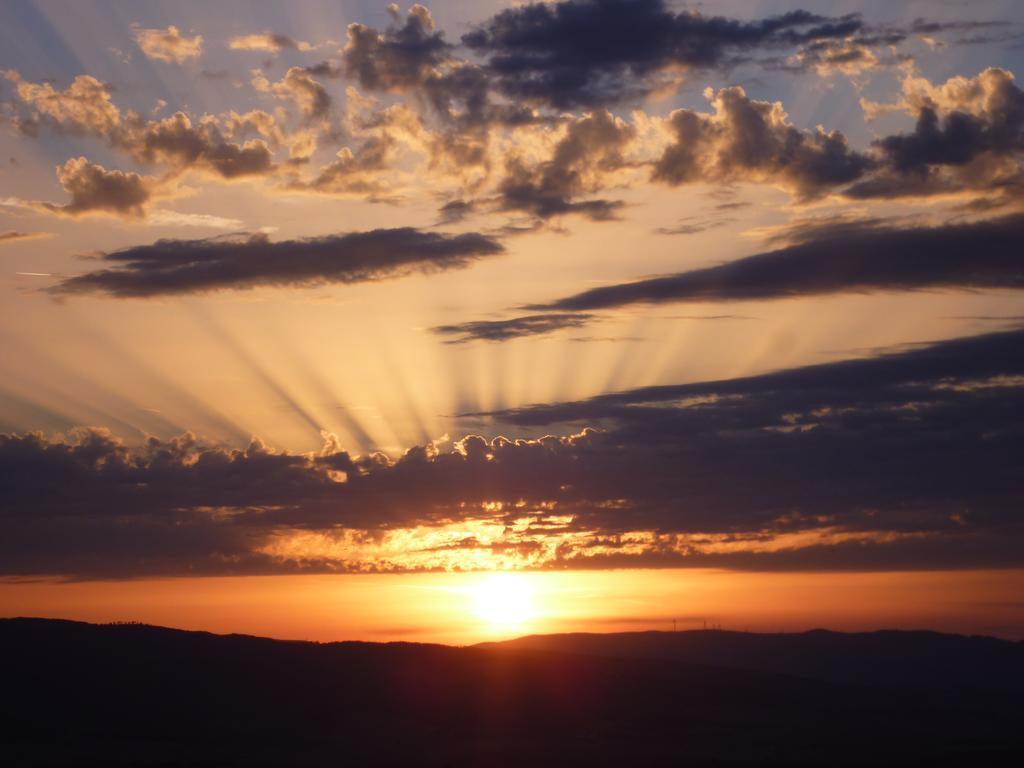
column 914, row 456
column 595, row 52
column 169, row 267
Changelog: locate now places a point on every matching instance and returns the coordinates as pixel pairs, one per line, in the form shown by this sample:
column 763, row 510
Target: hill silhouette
column 888, row 658
column 82, row 694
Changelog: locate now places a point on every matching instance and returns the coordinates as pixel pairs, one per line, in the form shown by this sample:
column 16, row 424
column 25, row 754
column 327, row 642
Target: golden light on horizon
column 504, row 600
column 469, row 607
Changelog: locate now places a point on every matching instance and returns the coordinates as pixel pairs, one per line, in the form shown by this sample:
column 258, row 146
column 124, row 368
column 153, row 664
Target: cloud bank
column 838, row 256
column 175, row 267
column 904, row 460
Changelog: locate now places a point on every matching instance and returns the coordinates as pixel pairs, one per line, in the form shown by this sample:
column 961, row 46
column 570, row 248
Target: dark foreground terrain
column 81, row 694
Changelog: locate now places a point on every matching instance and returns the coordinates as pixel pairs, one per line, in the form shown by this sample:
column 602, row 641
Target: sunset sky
column 318, row 315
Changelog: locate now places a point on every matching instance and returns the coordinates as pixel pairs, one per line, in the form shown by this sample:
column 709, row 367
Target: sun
column 503, row 600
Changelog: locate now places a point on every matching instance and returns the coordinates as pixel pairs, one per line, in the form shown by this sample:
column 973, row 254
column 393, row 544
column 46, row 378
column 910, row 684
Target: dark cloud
column 849, row 56
column 170, row 267
column 595, row 52
column 967, row 32
column 839, row 257
column 514, row 328
column 922, row 26
column 592, row 148
column 94, row 189
column 455, row 211
column 910, row 459
column 989, row 364
column 410, row 57
column 177, row 142
column 969, row 136
column 399, row 58
column 749, row 140
column 821, row 257
column 923, row 440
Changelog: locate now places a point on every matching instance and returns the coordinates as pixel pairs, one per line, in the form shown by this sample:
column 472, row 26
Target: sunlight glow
column 503, row 600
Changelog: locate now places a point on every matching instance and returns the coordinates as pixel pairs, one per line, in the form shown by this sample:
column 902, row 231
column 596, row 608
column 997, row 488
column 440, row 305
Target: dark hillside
column 80, row 694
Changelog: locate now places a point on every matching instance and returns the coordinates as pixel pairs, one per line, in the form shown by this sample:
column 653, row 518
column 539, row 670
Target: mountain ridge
column 135, row 694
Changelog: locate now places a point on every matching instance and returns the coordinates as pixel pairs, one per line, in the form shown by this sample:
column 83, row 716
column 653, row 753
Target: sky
column 350, row 320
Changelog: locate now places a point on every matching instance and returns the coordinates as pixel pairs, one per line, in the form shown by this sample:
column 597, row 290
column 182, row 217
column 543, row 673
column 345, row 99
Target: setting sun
column 504, row 600
column 514, row 382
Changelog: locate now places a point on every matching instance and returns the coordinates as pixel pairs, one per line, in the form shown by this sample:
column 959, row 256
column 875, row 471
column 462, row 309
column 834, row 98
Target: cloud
column 13, row 236
column 166, row 218
column 503, row 330
column 86, row 108
column 397, row 59
column 174, row 267
column 966, row 32
column 694, row 225
column 299, row 86
column 455, row 211
column 839, row 256
column 753, row 141
column 94, row 189
column 908, row 459
column 829, row 256
column 177, row 142
column 410, row 57
column 357, row 173
column 269, row 42
column 592, row 148
column 969, row 135
column 828, row 57
column 857, row 442
column 509, row 157
column 596, row 52
column 169, row 45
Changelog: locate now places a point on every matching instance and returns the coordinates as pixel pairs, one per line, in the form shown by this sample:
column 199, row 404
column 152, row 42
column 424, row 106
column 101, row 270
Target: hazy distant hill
column 130, row 694
column 886, row 658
